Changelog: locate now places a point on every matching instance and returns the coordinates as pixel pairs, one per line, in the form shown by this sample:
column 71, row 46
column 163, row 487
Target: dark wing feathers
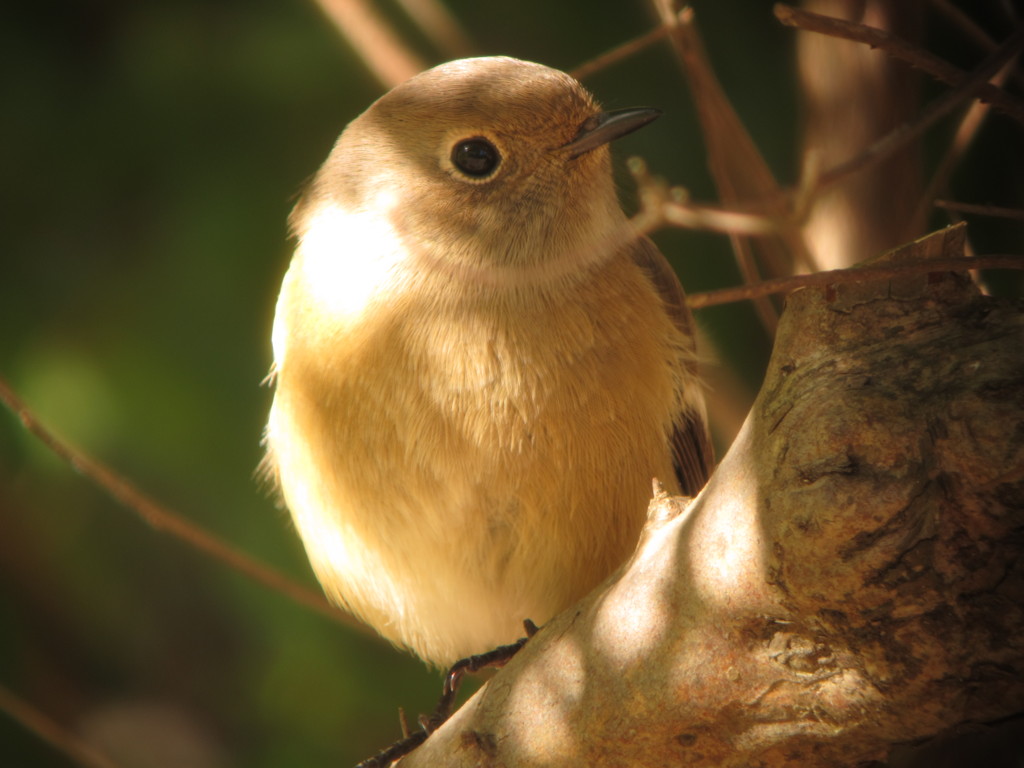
column 691, row 444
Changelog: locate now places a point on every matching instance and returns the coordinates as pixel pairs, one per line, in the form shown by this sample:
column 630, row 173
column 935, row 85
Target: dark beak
column 603, row 127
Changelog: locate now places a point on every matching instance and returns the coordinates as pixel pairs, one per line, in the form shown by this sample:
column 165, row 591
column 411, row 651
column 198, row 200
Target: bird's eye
column 475, row 157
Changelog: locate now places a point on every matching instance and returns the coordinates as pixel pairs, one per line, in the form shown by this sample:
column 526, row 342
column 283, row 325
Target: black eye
column 475, row 157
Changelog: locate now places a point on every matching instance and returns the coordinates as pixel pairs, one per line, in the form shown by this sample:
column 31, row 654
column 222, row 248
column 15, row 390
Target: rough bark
column 849, row 580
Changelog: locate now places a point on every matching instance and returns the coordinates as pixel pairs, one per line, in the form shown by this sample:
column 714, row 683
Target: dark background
column 150, row 154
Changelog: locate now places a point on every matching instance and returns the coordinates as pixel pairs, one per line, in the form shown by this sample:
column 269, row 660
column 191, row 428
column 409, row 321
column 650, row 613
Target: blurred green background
column 150, row 154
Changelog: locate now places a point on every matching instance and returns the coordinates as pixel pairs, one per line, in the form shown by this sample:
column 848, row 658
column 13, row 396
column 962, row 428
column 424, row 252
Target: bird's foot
column 499, row 657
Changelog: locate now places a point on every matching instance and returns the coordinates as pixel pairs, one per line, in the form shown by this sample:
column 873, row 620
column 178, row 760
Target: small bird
column 479, row 365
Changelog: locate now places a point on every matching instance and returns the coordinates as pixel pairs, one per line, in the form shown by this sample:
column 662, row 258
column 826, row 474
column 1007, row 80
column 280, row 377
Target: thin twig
column 967, row 25
column 661, row 204
column 54, row 734
column 736, row 165
column 968, row 129
column 618, row 53
column 732, row 221
column 383, row 52
column 715, row 219
column 440, row 26
column 899, row 48
column 1017, row 214
column 163, row 519
column 851, row 275
column 904, row 135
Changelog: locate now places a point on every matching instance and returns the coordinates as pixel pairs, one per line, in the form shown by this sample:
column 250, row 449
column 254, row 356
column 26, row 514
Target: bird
column 479, row 365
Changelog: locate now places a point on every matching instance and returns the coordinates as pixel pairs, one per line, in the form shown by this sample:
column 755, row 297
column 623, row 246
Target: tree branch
column 849, row 579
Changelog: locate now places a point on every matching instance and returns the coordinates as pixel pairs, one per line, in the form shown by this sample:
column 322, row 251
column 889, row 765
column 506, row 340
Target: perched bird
column 479, row 365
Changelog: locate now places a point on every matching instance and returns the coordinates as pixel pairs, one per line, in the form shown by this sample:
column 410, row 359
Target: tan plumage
column 476, row 377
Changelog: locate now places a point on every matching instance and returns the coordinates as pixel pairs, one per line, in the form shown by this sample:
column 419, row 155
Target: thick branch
column 850, row 578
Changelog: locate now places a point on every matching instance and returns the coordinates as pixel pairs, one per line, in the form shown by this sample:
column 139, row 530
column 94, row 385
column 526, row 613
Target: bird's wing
column 691, row 444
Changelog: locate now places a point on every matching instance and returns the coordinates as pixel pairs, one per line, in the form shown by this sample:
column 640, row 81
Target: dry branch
column 47, row 729
column 850, row 579
column 162, row 518
column 383, row 51
column 899, row 49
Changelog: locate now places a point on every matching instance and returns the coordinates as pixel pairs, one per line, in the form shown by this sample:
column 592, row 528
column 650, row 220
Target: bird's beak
column 608, row 126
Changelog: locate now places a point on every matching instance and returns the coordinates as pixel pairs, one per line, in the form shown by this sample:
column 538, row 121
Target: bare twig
column 903, row 50
column 906, row 134
column 163, row 519
column 683, row 213
column 737, row 167
column 661, row 204
column 440, row 26
column 619, row 52
column 60, row 738
column 969, row 127
column 852, row 275
column 1017, row 214
column 966, row 25
column 387, row 57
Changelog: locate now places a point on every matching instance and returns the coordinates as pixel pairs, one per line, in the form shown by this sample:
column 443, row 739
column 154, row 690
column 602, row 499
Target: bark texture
column 849, row 580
